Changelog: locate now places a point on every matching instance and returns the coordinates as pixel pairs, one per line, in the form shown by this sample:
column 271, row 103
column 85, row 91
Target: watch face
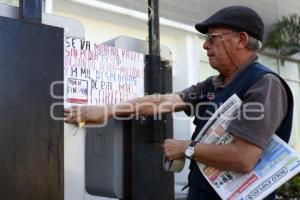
column 189, row 152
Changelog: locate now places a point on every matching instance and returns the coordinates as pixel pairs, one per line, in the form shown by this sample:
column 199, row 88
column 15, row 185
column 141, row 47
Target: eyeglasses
column 210, row 37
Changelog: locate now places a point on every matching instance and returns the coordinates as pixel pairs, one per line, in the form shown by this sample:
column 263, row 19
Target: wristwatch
column 190, row 150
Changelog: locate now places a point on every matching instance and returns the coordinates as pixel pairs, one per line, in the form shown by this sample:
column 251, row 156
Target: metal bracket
column 31, row 10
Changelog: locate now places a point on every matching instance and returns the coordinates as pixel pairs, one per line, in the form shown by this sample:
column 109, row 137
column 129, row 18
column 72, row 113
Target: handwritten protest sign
column 96, row 74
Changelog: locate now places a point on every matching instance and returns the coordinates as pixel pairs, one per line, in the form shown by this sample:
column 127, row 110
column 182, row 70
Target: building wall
column 290, row 71
column 190, row 63
column 10, row 2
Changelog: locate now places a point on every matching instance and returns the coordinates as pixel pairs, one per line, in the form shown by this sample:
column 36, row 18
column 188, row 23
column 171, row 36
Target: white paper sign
column 97, row 74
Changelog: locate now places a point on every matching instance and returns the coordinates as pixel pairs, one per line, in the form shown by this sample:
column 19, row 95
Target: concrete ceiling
column 193, row 11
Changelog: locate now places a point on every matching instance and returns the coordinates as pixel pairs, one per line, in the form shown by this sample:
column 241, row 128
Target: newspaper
column 277, row 165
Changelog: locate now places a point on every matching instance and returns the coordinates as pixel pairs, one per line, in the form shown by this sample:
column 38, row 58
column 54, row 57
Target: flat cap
column 238, row 18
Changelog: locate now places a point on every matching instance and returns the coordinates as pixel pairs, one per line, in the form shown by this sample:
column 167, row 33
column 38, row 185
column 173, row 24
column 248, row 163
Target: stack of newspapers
column 277, row 165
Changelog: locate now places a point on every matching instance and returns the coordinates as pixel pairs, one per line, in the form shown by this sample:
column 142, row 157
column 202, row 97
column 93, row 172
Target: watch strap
column 193, row 143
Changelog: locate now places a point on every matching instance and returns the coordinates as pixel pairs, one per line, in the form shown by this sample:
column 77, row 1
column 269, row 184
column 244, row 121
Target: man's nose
column 206, row 45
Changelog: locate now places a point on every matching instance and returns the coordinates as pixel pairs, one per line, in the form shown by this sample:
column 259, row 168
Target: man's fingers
column 66, row 114
column 72, row 120
column 87, row 114
column 67, row 110
column 71, row 108
column 71, row 115
column 169, row 156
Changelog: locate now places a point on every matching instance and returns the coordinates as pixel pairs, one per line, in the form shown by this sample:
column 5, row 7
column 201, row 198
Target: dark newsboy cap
column 239, row 18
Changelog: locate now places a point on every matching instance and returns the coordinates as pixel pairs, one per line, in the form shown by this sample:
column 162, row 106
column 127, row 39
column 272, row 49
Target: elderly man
column 233, row 35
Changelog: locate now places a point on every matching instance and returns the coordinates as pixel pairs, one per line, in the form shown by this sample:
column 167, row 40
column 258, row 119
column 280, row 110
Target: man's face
column 216, row 51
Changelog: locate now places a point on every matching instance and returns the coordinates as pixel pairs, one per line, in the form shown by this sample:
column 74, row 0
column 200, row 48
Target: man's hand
column 87, row 114
column 174, row 149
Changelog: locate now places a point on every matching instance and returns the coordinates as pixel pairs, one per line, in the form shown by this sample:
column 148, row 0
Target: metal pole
column 153, row 71
column 31, row 10
column 154, row 68
column 148, row 180
column 153, row 14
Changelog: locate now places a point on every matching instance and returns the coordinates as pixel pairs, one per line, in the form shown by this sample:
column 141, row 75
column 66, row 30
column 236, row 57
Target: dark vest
column 239, row 86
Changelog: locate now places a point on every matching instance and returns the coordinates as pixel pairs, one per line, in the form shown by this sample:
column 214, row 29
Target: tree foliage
column 290, row 190
column 285, row 36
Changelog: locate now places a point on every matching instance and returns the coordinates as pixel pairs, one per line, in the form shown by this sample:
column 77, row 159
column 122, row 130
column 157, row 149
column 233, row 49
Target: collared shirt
column 267, row 93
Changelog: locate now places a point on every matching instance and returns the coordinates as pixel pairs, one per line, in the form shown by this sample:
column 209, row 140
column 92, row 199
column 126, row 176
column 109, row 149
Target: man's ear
column 244, row 40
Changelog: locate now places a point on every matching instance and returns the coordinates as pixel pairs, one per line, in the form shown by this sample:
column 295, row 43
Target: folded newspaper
column 277, row 165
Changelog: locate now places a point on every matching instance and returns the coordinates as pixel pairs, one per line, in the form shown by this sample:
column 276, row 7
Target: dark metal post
column 153, row 72
column 31, row 10
column 148, row 179
column 154, row 84
column 31, row 141
column 154, row 41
